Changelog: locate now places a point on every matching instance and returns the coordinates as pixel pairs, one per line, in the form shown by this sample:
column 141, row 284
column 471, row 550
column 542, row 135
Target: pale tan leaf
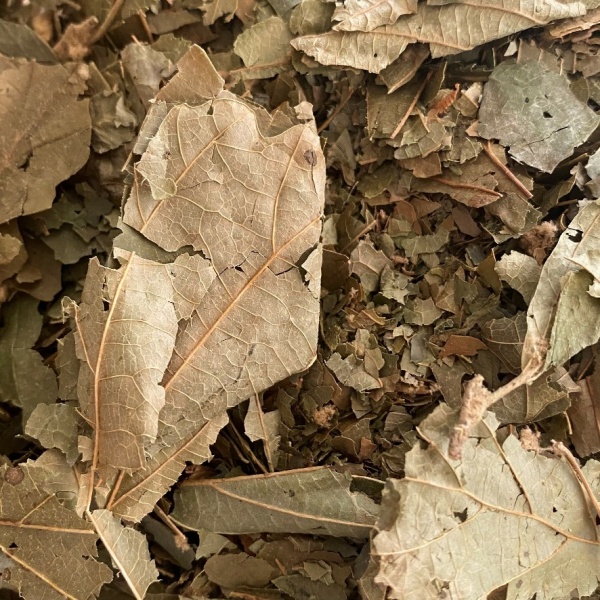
column 136, row 494
column 125, row 332
column 46, row 137
column 577, row 249
column 315, row 500
column 56, row 426
column 264, row 48
column 447, row 29
column 53, row 550
column 500, row 516
column 252, row 205
column 128, row 550
column 366, row 15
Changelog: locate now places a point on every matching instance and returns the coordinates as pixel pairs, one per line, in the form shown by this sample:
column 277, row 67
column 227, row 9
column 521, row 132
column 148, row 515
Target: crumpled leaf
column 576, row 250
column 534, row 112
column 514, row 518
column 47, row 133
column 521, row 272
column 128, row 550
column 351, row 371
column 264, row 48
column 447, row 29
column 24, row 379
column 368, row 263
column 52, row 549
column 56, row 426
column 315, row 501
column 366, row 15
column 124, row 348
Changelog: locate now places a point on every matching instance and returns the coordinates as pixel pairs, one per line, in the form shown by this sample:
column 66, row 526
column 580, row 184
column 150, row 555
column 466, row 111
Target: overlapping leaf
column 448, row 29
column 316, row 501
column 501, row 516
column 51, row 548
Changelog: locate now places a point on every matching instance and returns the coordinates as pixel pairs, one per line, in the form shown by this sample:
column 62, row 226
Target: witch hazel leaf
column 515, row 518
column 366, row 15
column 134, row 495
column 576, row 251
column 448, row 29
column 53, row 550
column 251, row 204
column 125, row 331
column 128, row 550
column 311, row 501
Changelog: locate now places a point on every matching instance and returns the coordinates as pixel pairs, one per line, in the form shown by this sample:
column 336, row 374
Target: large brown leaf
column 212, row 179
column 501, row 516
column 447, row 29
column 125, row 331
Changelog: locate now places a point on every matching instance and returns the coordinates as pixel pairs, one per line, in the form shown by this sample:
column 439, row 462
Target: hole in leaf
column 105, row 305
column 13, row 546
column 526, row 100
column 547, row 115
column 461, row 516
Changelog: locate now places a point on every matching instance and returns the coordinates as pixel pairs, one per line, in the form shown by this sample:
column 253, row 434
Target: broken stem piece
column 477, row 399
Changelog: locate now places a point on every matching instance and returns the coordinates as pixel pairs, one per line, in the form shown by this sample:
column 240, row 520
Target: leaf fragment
column 128, row 550
column 315, row 500
column 47, row 134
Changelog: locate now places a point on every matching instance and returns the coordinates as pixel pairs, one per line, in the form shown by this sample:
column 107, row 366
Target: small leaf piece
column 47, row 134
column 514, row 518
column 128, row 550
column 24, row 380
column 52, row 548
column 366, row 15
column 315, row 501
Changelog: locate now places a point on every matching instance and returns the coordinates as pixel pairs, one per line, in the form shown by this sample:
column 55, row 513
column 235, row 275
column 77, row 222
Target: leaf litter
column 299, row 299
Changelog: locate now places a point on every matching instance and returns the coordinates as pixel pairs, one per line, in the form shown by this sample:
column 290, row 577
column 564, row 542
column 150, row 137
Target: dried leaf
column 47, row 136
column 521, row 272
column 368, row 263
column 534, row 112
column 52, row 549
column 24, row 379
column 264, row 48
column 137, row 493
column 447, row 29
column 499, row 501
column 366, row 15
column 56, row 426
column 128, row 550
column 576, row 250
column 19, row 41
column 260, row 425
column 316, row 501
column 125, row 332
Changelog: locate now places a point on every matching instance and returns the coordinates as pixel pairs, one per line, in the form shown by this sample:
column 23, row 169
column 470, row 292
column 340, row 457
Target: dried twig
column 487, row 148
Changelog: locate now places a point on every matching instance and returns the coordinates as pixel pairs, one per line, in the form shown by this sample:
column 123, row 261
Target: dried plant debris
column 299, row 299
